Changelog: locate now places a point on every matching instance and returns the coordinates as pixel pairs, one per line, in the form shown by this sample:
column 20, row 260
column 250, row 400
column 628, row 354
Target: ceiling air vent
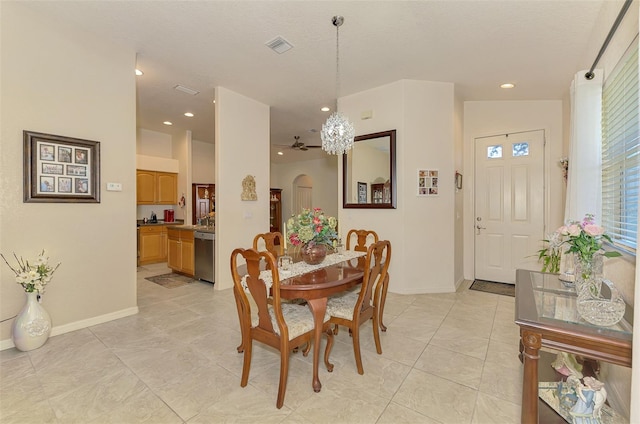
column 279, row 45
column 186, row 90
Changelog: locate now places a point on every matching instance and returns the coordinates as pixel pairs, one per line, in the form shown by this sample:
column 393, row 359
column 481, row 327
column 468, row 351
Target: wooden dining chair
column 269, row 240
column 361, row 239
column 283, row 326
column 353, row 309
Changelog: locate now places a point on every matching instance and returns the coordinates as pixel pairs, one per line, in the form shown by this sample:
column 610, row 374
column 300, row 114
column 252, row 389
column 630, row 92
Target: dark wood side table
column 547, row 315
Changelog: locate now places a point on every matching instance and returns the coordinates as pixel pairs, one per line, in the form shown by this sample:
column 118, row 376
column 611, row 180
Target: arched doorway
column 302, row 193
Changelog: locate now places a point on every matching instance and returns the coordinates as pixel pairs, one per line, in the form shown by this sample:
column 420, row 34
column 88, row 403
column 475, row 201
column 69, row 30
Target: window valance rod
column 589, row 75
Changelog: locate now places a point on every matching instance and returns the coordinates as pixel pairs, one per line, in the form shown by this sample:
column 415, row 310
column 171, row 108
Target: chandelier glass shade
column 337, row 133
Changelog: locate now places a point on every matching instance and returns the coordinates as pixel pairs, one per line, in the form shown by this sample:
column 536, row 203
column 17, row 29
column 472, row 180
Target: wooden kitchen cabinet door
column 167, row 188
column 180, row 257
column 152, row 245
column 188, row 262
column 145, row 187
column 174, row 254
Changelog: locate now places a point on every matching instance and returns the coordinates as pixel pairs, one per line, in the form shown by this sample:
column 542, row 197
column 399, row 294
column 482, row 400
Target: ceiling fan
column 299, row 145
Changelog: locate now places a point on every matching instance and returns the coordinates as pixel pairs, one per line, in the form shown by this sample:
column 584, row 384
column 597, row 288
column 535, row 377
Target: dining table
column 317, row 285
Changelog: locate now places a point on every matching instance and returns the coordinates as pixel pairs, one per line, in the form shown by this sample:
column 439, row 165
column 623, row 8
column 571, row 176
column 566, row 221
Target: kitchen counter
column 201, row 228
column 139, row 223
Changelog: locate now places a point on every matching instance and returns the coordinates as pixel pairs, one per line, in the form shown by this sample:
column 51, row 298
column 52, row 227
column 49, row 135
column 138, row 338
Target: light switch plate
column 114, row 187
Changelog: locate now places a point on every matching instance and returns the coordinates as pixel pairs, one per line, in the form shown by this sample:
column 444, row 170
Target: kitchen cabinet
column 275, row 210
column 180, row 251
column 153, row 244
column 156, row 187
column 204, row 200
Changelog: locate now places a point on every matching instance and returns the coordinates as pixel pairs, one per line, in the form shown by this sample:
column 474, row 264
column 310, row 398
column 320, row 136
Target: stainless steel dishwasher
column 204, row 254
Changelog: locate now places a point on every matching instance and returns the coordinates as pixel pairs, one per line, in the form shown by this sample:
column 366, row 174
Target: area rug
column 171, row 280
column 493, row 287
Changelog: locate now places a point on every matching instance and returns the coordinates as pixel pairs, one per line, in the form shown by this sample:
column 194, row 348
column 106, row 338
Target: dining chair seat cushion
column 341, row 306
column 298, row 318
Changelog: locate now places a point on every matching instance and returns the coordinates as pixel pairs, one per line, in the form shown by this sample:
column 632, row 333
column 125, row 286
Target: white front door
column 509, row 204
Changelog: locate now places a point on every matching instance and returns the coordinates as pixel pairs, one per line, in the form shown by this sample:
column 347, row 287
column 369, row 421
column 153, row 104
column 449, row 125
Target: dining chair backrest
column 255, row 287
column 272, row 242
column 376, row 267
column 361, row 238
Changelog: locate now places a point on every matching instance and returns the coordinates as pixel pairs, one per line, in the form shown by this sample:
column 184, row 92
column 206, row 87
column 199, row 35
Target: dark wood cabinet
column 275, row 210
column 381, row 192
column 204, row 200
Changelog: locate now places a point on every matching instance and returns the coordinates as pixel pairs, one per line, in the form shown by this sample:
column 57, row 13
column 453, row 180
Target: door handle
column 478, row 227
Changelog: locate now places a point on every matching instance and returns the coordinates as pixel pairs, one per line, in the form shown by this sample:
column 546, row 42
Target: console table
column 547, row 315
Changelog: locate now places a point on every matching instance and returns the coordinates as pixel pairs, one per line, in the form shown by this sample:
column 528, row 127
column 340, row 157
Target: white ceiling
column 477, row 45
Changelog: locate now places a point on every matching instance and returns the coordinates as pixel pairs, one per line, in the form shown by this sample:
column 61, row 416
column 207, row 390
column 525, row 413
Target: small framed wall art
column 428, row 184
column 362, row 192
column 60, row 169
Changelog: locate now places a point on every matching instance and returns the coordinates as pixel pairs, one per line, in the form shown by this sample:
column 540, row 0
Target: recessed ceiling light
column 139, row 72
column 325, row 109
column 188, row 114
column 507, row 85
column 168, row 123
column 280, row 153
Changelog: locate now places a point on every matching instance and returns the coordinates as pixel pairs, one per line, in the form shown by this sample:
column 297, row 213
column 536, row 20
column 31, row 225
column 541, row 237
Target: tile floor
column 447, row 358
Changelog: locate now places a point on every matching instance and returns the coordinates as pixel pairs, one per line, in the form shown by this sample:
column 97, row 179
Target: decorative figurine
column 591, row 397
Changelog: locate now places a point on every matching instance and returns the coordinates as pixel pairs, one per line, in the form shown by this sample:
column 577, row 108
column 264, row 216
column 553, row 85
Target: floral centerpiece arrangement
column 312, row 227
column 583, row 238
column 34, row 276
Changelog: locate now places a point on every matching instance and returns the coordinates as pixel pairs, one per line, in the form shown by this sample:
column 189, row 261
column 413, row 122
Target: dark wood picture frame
column 362, row 192
column 49, row 176
column 384, row 141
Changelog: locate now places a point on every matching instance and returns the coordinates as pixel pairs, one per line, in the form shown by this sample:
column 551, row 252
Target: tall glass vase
column 588, row 273
column 32, row 325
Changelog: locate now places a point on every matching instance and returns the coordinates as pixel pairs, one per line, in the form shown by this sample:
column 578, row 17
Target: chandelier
column 337, row 133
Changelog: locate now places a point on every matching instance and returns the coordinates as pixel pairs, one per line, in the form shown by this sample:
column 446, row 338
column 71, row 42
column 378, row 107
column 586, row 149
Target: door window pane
column 521, row 149
column 494, row 152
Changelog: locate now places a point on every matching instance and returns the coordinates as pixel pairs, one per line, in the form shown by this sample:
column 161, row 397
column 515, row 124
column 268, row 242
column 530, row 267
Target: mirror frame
column 392, row 173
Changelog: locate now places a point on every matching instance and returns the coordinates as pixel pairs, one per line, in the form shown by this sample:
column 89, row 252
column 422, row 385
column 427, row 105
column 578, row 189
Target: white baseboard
column 77, row 325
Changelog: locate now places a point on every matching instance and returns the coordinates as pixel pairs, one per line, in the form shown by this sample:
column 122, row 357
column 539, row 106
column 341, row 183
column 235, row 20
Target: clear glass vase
column 588, row 273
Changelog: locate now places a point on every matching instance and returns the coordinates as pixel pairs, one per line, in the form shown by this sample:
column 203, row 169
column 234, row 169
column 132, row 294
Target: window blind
column 621, row 152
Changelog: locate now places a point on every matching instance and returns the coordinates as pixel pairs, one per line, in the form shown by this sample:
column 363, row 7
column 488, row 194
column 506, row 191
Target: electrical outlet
column 114, row 187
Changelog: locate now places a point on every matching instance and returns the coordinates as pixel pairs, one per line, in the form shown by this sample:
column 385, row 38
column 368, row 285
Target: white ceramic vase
column 32, row 325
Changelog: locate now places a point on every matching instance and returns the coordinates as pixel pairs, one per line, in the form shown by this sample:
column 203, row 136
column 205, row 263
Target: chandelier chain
column 337, row 64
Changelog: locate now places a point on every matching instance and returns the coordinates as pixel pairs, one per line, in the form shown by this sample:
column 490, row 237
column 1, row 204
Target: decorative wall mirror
column 369, row 172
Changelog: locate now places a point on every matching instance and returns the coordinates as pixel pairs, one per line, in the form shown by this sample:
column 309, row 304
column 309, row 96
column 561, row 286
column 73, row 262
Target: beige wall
column 238, row 221
column 48, row 84
column 421, row 229
column 458, row 226
column 203, row 160
column 324, row 176
column 153, row 143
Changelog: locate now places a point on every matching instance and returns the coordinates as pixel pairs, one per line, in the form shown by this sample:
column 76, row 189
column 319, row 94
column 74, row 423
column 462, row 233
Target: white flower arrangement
column 33, row 277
